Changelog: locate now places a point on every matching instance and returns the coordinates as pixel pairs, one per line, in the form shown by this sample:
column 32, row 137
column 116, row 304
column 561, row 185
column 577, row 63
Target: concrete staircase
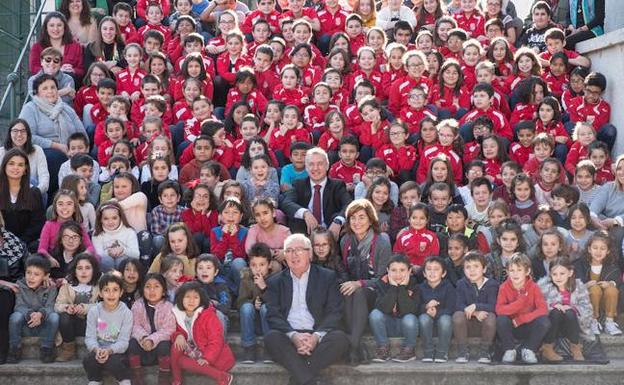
column 32, row 371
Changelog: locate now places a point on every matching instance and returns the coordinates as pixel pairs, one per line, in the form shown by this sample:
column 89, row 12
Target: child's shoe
column 549, row 353
column 577, row 352
column 249, row 355
column 463, row 355
column 226, row 380
column 382, row 354
column 428, row 357
column 406, row 355
column 441, row 358
column 46, row 355
column 595, row 327
column 528, row 356
column 612, row 328
column 67, row 352
column 485, row 357
column 509, row 356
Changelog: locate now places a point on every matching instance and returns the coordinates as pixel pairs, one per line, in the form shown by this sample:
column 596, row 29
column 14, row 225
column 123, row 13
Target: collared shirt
column 160, row 219
column 299, row 214
column 299, row 316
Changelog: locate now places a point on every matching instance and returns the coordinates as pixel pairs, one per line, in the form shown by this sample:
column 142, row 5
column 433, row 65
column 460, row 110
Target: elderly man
column 316, row 200
column 304, row 311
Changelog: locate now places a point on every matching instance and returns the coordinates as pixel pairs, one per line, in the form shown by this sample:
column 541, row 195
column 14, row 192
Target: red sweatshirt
column 332, row 23
column 435, row 151
column 376, row 140
column 577, row 153
column 553, row 128
column 182, row 111
column 522, row 306
column 314, row 117
column 375, row 77
column 227, row 69
column 522, row 112
column 85, row 95
column 399, row 90
column 139, row 36
column 417, row 245
column 446, row 101
column 128, row 82
column 493, row 168
column 221, row 242
column 501, row 125
column 280, row 142
column 272, row 18
column 599, row 114
column 519, row 153
column 412, row 117
column 398, row 159
column 255, row 100
column 141, row 7
column 556, row 84
column 473, row 24
column 345, row 173
column 199, row 222
column 296, row 96
column 137, row 113
column 176, row 88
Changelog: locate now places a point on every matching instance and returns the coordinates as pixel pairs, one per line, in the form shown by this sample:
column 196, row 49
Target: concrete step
column 413, row 373
column 613, row 346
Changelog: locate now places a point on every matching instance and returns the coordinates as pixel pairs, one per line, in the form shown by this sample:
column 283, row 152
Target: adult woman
column 366, row 254
column 52, row 121
column 82, row 25
column 393, row 12
column 51, row 59
column 107, row 47
column 502, row 9
column 55, row 33
column 12, row 254
column 586, row 21
column 21, row 137
column 416, row 65
column 20, row 204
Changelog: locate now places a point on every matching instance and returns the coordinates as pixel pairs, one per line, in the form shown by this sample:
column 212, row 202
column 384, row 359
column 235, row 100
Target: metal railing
column 16, row 74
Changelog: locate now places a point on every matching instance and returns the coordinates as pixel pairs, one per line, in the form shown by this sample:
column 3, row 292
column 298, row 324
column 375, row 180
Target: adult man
column 317, row 199
column 304, row 311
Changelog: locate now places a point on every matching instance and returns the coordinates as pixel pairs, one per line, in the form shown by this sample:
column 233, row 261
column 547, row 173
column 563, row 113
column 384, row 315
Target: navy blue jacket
column 443, row 293
column 484, row 297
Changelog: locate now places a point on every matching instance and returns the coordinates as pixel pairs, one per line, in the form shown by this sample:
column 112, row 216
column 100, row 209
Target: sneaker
column 406, row 355
column 226, row 380
column 15, row 355
column 249, row 355
column 485, row 357
column 612, row 328
column 47, row 355
column 382, row 354
column 595, row 327
column 463, row 356
column 441, row 358
column 428, row 357
column 528, row 356
column 509, row 356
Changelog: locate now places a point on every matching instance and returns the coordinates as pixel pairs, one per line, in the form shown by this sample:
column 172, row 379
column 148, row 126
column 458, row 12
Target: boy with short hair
column 543, row 147
column 521, row 150
column 481, row 191
column 203, row 148
column 122, row 12
column 266, row 79
column 34, row 314
column 82, row 165
column 454, row 44
column 77, row 143
column 482, row 127
column 118, row 107
column 105, row 90
column 265, row 10
column 522, row 313
column 482, row 97
column 438, row 300
column 476, row 302
column 534, row 36
column 296, row 169
column 150, row 87
column 348, row 169
column 167, row 213
column 439, row 199
column 555, row 42
column 375, row 167
column 564, row 196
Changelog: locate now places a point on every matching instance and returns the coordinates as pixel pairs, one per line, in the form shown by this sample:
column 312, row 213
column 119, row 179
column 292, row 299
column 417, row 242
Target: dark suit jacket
column 335, row 201
column 324, row 301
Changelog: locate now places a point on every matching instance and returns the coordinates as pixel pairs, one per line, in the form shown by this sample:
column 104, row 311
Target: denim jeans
column 18, row 327
column 225, row 322
column 232, row 271
column 444, row 325
column 248, row 317
column 384, row 326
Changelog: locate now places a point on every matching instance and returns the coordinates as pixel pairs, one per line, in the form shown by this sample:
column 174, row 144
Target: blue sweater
column 484, row 297
column 443, row 293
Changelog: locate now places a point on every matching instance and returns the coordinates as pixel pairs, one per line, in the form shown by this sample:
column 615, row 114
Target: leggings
column 180, row 361
column 71, row 326
column 116, row 366
column 159, row 355
column 563, row 324
column 7, row 302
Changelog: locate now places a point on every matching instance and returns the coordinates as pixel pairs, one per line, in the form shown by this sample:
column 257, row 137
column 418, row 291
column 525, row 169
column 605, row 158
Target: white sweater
column 124, row 236
column 38, row 167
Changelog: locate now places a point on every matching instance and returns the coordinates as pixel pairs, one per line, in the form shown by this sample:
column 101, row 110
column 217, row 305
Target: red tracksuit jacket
column 474, row 24
column 399, row 90
column 398, row 159
column 446, row 101
column 314, row 117
column 434, row 151
column 412, row 117
column 522, row 306
column 576, row 154
column 501, row 125
column 128, row 82
column 417, row 245
column 345, row 173
column 581, row 111
column 519, row 153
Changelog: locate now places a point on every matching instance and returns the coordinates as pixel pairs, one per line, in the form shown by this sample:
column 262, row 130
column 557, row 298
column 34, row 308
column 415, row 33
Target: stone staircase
column 32, row 371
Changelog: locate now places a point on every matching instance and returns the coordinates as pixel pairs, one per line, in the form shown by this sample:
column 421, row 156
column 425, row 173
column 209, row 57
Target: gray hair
column 297, row 237
column 316, row 151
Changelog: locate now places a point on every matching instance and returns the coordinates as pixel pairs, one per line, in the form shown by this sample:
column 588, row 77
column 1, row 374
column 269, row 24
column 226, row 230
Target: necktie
column 316, row 203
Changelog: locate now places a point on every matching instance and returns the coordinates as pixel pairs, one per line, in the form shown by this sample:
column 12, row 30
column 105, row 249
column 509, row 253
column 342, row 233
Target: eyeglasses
column 296, row 250
column 397, row 133
column 226, row 22
column 417, row 96
column 413, row 65
column 48, row 59
column 71, row 238
column 18, row 131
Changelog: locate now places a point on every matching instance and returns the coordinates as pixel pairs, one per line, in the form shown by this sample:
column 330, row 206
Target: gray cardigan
column 608, row 203
column 63, row 79
column 43, row 129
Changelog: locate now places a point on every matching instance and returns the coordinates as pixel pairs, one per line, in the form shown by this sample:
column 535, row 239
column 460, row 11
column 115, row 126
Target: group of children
column 481, row 161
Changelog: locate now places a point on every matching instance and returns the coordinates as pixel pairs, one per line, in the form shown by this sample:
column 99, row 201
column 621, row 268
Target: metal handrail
column 13, row 77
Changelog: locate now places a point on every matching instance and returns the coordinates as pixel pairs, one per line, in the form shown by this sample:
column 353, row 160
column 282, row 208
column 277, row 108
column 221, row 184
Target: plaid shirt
column 160, row 219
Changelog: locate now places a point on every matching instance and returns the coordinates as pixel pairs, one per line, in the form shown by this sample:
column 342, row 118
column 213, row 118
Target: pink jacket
column 164, row 321
column 49, row 233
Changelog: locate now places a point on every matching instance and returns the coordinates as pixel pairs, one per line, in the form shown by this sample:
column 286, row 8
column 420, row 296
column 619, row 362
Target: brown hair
column 105, row 206
column 369, row 209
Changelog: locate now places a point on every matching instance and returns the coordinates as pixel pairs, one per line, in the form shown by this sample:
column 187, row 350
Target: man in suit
column 317, row 199
column 304, row 312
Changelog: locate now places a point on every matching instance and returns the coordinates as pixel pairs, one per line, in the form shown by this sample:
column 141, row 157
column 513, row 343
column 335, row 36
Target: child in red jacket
column 201, row 348
column 246, row 89
column 289, row 91
column 129, row 80
column 583, row 136
column 483, row 99
column 398, row 155
column 373, row 132
column 290, row 130
column 521, row 311
column 451, row 95
column 227, row 241
column 449, row 146
column 521, row 150
column 417, row 242
column 415, row 111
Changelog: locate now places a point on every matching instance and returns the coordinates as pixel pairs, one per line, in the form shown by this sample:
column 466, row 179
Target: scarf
column 358, row 259
column 55, row 112
column 12, row 252
column 589, row 12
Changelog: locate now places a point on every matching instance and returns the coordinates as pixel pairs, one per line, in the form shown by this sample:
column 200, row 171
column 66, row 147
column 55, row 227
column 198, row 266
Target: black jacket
column 484, row 298
column 610, row 272
column 397, row 301
column 323, row 299
column 335, row 201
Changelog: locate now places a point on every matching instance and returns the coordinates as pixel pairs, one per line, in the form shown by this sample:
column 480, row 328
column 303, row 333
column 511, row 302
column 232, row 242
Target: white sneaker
column 510, row 356
column 611, row 328
column 595, row 327
column 528, row 356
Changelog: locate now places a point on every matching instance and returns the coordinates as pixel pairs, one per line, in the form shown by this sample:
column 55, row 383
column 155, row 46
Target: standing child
column 113, row 239
column 438, row 302
column 109, row 324
column 152, row 327
column 602, row 277
column 417, row 242
column 250, row 302
column 396, row 311
column 476, row 302
column 33, row 314
column 570, row 310
column 75, row 298
column 198, row 343
column 521, row 311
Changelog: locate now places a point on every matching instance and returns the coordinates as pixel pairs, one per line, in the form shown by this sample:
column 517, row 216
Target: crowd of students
column 144, row 190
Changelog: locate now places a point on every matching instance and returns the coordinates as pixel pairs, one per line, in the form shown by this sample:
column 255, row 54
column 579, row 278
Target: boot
column 549, row 353
column 577, row 352
column 164, row 377
column 67, row 352
column 138, row 376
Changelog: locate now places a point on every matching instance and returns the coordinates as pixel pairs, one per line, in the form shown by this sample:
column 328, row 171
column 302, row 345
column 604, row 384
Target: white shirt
column 299, row 214
column 299, row 316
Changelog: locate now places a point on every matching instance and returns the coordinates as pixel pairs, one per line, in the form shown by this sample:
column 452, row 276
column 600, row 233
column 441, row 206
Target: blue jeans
column 232, row 271
column 18, row 327
column 225, row 322
column 248, row 317
column 384, row 326
column 444, row 325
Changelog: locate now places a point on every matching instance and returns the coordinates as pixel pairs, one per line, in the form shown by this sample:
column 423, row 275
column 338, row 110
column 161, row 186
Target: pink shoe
column 226, row 380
